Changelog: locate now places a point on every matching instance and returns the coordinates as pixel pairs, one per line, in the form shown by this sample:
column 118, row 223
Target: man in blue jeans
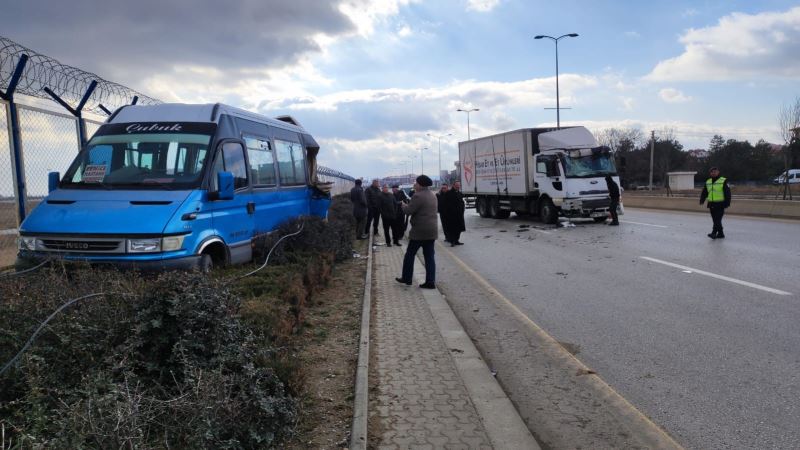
column 424, row 230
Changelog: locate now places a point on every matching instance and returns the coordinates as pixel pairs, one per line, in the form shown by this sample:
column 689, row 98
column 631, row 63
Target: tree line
column 739, row 161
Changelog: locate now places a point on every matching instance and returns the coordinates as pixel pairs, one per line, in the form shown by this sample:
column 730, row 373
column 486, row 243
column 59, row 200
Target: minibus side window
column 262, row 161
column 286, row 166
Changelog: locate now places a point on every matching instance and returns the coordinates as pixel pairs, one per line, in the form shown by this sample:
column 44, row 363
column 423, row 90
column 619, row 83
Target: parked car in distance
column 793, row 177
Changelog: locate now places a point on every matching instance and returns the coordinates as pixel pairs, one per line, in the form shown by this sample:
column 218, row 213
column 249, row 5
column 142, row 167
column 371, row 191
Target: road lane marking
column 719, row 277
column 644, row 424
column 645, row 224
column 9, row 232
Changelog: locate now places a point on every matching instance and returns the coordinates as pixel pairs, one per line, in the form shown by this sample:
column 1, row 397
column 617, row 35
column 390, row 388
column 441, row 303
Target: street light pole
column 422, row 160
column 439, row 138
column 558, row 97
column 468, row 111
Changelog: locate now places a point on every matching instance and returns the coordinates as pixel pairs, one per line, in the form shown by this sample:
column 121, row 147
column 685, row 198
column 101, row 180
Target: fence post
column 78, row 111
column 16, row 138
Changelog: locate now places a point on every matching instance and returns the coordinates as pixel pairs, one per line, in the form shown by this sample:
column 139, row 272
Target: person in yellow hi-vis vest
column 718, row 194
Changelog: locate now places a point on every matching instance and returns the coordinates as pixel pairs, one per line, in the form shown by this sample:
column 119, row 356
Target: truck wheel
column 502, row 213
column 480, row 205
column 494, row 208
column 547, row 211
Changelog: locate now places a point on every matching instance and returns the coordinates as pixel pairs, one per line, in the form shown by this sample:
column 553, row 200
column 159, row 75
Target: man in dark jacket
column 399, row 225
column 373, row 194
column 423, row 234
column 452, row 212
column 718, row 194
column 388, row 213
column 359, row 208
column 613, row 193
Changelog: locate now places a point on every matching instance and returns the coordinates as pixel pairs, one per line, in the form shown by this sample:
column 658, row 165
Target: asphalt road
column 702, row 336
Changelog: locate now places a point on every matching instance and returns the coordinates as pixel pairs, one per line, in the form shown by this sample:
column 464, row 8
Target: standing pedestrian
column 718, row 194
column 440, row 204
column 453, row 213
column 613, row 193
column 359, row 201
column 424, row 231
column 399, row 225
column 388, row 214
column 373, row 194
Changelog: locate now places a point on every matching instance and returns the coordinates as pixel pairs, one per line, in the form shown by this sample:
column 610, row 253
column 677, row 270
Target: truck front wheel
column 547, row 211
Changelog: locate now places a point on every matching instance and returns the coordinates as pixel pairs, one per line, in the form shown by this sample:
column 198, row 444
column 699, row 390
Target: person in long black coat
column 453, row 214
column 440, row 209
column 388, row 214
column 359, row 201
column 399, row 225
column 373, row 194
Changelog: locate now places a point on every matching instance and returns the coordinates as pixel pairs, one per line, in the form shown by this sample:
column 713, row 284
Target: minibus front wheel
column 206, row 263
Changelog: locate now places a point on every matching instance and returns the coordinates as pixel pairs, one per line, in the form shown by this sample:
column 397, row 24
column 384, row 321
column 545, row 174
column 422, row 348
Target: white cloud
column 740, row 46
column 404, row 31
column 632, row 34
column 627, row 103
column 482, row 5
column 691, row 12
column 672, row 95
column 365, row 14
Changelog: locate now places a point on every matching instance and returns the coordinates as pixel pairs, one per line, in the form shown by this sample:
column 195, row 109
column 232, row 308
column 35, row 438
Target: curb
column 501, row 420
column 358, row 434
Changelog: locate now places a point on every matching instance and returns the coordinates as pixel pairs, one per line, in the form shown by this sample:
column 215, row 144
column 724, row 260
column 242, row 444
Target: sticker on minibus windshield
column 94, row 173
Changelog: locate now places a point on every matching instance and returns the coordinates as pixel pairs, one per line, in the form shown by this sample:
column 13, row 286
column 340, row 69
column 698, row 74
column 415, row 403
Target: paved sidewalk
column 421, row 399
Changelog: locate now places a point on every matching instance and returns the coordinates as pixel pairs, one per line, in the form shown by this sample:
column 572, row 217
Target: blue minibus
column 176, row 186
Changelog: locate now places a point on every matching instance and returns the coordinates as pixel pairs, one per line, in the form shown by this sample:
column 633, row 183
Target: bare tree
column 788, row 123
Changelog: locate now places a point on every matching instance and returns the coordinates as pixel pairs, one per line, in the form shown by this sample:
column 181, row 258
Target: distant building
column 399, row 179
column 699, row 153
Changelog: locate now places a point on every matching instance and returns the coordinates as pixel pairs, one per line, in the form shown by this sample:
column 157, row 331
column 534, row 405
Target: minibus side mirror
column 52, row 181
column 225, row 184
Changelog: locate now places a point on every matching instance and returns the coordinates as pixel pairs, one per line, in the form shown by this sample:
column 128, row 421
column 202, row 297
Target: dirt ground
column 327, row 348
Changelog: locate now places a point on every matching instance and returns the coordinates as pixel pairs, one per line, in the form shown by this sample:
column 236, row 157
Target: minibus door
column 234, row 219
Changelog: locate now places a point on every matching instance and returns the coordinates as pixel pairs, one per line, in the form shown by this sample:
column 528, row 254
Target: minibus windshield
column 151, row 160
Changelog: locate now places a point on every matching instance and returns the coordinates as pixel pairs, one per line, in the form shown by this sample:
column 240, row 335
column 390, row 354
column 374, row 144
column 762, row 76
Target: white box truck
column 547, row 172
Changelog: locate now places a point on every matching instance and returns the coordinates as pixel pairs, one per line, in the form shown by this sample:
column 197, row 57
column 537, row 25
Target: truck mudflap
column 586, row 207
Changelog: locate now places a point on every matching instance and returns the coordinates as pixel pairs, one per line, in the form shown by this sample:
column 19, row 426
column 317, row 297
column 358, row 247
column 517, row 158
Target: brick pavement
column 420, row 400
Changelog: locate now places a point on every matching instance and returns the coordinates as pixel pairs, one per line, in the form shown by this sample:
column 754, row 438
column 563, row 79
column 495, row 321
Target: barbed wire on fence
column 67, row 82
column 322, row 170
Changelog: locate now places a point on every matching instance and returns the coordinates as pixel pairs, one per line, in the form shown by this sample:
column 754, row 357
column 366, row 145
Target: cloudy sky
column 370, row 79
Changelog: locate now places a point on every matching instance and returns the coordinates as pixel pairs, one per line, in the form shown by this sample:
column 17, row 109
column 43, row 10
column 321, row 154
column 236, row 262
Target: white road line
column 10, row 231
column 645, row 224
column 719, row 277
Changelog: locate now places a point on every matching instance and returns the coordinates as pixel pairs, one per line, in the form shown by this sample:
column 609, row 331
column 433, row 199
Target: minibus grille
column 84, row 245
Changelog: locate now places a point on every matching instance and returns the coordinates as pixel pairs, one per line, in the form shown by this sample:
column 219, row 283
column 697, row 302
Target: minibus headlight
column 171, row 243
column 144, row 245
column 27, row 243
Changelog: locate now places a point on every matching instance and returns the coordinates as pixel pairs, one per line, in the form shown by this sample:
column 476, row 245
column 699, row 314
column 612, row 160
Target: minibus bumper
column 31, row 259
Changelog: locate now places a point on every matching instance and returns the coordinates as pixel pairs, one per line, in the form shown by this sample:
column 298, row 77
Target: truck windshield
column 581, row 165
column 140, row 161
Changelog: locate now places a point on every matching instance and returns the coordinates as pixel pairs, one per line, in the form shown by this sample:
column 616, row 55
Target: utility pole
column 652, row 149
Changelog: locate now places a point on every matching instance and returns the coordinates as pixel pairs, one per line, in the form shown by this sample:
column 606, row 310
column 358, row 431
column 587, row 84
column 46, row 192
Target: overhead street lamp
column 558, row 104
column 422, row 160
column 468, row 111
column 439, row 138
column 412, row 158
